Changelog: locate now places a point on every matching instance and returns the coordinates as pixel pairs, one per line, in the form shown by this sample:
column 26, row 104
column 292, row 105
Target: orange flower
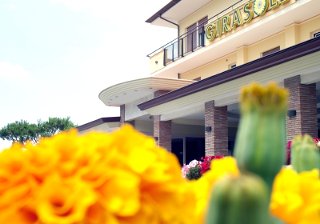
column 119, row 177
column 296, row 197
column 62, row 201
column 203, row 186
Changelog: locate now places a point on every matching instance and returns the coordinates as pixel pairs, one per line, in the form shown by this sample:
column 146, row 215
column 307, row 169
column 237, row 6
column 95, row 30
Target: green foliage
column 53, row 126
column 22, row 131
column 194, row 173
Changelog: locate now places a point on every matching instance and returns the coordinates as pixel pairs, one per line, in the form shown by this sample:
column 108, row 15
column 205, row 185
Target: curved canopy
column 133, row 90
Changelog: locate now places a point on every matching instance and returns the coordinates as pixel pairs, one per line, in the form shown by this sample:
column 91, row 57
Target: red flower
column 206, row 161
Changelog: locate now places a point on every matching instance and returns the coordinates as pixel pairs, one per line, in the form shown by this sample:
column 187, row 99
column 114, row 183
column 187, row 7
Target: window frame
column 270, row 51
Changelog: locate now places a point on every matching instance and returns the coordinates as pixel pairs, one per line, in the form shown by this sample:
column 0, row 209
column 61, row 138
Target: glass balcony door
column 192, row 37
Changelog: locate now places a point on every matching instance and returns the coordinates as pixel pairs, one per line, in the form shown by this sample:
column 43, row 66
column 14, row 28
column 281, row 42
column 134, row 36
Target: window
column 271, row 51
column 201, row 31
column 195, row 34
column 197, row 79
column 191, row 37
column 233, row 65
column 316, row 34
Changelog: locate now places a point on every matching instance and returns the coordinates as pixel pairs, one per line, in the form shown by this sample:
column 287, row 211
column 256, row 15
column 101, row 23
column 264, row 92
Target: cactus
column 304, row 154
column 239, row 200
column 260, row 142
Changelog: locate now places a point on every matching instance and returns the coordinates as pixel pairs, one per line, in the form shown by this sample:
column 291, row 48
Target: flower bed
column 195, row 169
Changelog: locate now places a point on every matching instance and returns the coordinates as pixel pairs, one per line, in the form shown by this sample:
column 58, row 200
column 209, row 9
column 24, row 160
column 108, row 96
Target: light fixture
column 292, row 113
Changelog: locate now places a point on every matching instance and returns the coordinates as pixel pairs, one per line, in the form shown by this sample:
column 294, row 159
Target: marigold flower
column 203, row 186
column 63, row 201
column 296, row 197
column 94, row 178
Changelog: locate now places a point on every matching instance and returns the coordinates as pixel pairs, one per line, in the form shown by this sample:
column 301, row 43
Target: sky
column 56, row 56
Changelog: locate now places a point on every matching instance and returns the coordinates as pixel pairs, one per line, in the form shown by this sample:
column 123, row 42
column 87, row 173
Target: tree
column 22, row 131
column 54, row 125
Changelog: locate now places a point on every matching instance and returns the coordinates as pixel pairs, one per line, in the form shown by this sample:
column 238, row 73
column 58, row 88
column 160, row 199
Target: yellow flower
column 120, row 193
column 63, row 201
column 203, row 186
column 39, row 163
column 115, row 178
column 16, row 185
column 296, row 197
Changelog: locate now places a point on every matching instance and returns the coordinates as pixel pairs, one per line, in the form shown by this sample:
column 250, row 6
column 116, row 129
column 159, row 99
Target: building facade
column 190, row 101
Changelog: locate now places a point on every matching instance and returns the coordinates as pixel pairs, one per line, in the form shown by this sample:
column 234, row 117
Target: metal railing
column 184, row 45
column 189, row 41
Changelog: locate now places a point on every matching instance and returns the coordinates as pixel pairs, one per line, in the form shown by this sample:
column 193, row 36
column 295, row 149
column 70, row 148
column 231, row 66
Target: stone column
column 303, row 100
column 122, row 114
column 162, row 132
column 216, row 129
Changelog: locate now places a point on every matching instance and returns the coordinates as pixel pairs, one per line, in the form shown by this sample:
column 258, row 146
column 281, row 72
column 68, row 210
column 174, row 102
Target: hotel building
column 190, row 102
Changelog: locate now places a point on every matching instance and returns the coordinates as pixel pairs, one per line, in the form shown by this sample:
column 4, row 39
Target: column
column 291, row 35
column 162, row 132
column 303, row 104
column 122, row 114
column 216, row 129
column 242, row 55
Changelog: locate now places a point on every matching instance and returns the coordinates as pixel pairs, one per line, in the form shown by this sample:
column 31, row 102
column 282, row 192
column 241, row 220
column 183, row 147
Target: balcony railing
column 189, row 41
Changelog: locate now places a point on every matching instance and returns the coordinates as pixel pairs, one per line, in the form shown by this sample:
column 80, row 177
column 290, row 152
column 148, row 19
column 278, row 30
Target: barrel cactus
column 260, row 142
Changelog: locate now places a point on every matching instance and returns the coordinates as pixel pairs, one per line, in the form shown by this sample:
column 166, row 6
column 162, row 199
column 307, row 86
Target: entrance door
column 177, row 149
column 195, row 149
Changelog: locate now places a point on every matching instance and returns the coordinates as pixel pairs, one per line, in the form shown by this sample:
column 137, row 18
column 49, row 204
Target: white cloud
column 11, row 71
column 119, row 56
column 12, row 6
column 116, row 9
column 4, row 144
column 80, row 5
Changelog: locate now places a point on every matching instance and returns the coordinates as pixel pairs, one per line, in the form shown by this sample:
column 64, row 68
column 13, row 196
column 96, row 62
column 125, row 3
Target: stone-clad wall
column 216, row 139
column 302, row 99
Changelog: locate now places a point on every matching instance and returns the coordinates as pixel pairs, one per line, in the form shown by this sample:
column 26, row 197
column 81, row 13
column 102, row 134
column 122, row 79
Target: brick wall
column 162, row 132
column 216, row 140
column 302, row 99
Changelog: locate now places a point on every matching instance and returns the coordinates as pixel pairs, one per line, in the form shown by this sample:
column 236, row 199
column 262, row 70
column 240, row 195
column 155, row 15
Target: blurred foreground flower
column 122, row 177
column 296, row 196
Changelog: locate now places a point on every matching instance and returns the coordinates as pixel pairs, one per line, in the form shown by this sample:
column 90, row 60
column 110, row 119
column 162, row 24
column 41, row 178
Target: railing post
column 172, row 53
column 164, row 56
column 202, row 38
column 182, row 50
column 192, row 41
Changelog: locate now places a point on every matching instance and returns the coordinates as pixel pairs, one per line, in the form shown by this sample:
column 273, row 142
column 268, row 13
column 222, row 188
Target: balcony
column 192, row 49
column 188, row 42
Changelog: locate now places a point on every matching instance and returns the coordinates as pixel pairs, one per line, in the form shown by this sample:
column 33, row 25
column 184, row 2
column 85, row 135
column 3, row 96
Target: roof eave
column 162, row 11
column 288, row 54
column 98, row 122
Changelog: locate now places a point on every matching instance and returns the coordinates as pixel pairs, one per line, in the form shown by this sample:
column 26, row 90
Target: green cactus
column 260, row 142
column 304, row 154
column 239, row 200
